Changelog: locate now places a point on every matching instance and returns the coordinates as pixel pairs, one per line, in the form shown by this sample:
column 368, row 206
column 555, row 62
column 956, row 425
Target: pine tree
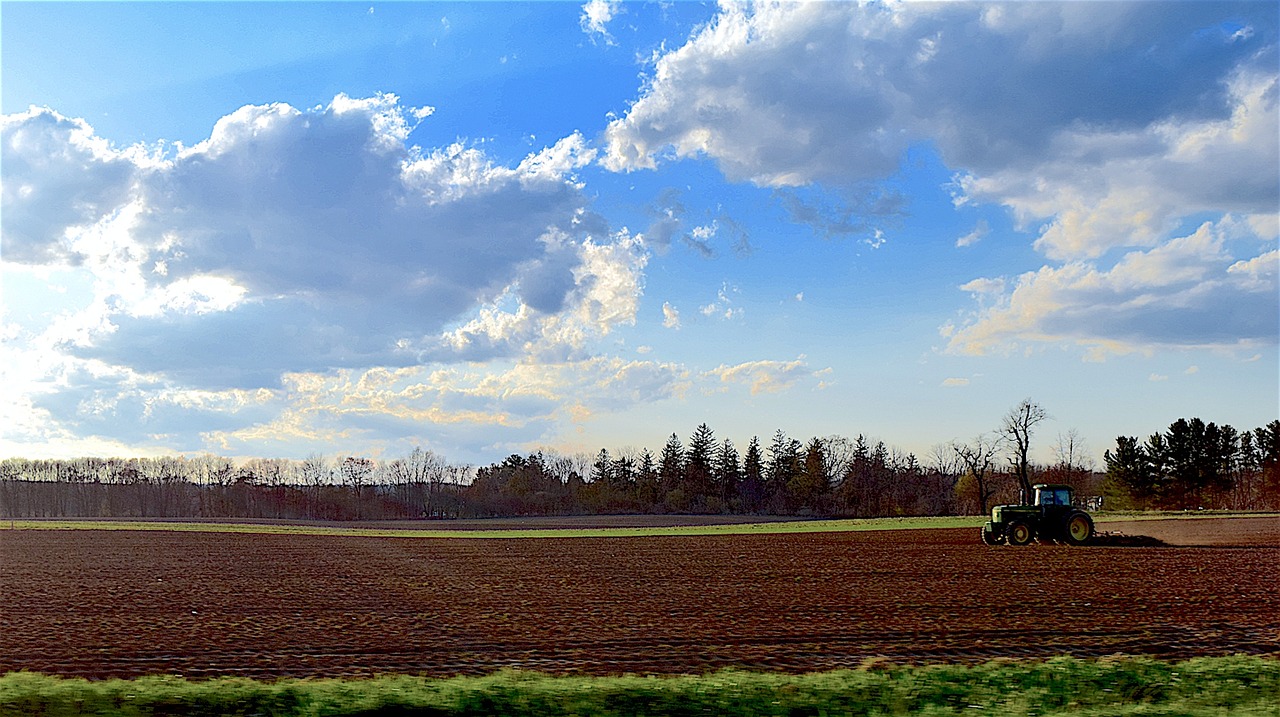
column 784, row 463
column 1130, row 482
column 671, row 464
column 808, row 486
column 728, row 472
column 648, row 489
column 752, row 488
column 624, row 470
column 602, row 469
column 699, row 483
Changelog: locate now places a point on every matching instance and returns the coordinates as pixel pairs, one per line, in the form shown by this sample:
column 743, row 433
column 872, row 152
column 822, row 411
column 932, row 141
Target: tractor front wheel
column 1018, row 533
column 990, row 537
column 1079, row 529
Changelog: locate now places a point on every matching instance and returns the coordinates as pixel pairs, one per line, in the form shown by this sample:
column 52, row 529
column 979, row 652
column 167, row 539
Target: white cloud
column 955, row 382
column 1187, row 293
column 786, row 94
column 706, row 99
column 765, row 376
column 228, row 286
column 1066, row 114
column 58, row 175
column 606, row 282
column 978, row 234
column 1102, row 189
column 305, row 239
column 1266, row 226
column 596, row 16
column 670, row 316
column 512, row 407
column 723, row 304
column 984, row 286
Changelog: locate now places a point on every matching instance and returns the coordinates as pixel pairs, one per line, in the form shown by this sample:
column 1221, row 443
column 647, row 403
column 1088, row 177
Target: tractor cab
column 1047, row 494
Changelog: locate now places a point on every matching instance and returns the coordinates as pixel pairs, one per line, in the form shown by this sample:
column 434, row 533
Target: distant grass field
column 774, row 526
column 1062, row 686
column 796, row 526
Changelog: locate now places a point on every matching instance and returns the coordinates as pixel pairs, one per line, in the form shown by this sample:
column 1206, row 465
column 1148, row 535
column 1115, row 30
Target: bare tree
column 1072, row 453
column 976, row 459
column 355, row 472
column 841, row 452
column 944, row 459
column 1017, row 428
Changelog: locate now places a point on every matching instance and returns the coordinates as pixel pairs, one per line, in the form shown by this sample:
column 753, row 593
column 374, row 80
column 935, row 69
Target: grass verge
column 783, row 526
column 797, row 526
column 1061, row 686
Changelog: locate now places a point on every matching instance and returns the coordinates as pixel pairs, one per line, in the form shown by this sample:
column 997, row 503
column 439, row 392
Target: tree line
column 1192, row 465
column 1197, row 465
column 318, row 488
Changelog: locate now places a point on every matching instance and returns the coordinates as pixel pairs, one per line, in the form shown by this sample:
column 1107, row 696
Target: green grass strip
column 787, row 526
column 1060, row 686
column 797, row 526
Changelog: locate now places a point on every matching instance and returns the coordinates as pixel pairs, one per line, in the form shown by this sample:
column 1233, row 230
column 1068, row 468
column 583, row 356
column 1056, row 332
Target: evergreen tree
column 784, row 463
column 728, row 471
column 699, row 483
column 751, row 490
column 808, row 487
column 602, row 469
column 671, row 464
column 1198, row 459
column 648, row 489
column 624, row 470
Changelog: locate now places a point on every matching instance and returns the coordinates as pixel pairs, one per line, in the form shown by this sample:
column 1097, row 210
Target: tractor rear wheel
column 1018, row 533
column 990, row 537
column 1079, row 529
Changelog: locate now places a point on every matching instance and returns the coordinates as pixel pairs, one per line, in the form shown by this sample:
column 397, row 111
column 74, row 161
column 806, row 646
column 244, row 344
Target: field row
column 122, row 603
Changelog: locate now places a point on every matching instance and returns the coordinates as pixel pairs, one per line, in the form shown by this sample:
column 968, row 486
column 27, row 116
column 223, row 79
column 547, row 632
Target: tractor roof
column 1053, row 486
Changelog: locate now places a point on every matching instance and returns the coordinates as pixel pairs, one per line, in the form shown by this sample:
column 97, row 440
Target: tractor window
column 1053, row 496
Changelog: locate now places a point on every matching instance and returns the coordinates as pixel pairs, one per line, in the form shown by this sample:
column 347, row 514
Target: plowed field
column 122, row 603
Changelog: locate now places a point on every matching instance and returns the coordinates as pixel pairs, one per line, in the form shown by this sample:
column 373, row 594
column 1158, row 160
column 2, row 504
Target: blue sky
column 273, row 229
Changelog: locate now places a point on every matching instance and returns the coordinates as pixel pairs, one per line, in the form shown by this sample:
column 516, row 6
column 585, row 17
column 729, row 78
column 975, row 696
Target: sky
column 280, row 229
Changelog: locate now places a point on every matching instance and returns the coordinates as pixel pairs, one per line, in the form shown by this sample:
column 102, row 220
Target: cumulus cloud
column 58, row 176
column 606, row 283
column 231, row 287
column 764, row 376
column 300, row 240
column 1066, row 114
column 786, row 94
column 1104, row 189
column 1186, row 293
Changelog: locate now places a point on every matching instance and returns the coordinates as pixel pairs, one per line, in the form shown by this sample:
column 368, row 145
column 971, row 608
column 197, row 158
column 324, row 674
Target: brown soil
column 1241, row 531
column 107, row 603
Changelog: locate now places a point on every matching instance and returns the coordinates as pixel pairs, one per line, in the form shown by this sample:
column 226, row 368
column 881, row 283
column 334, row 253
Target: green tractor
column 1052, row 518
